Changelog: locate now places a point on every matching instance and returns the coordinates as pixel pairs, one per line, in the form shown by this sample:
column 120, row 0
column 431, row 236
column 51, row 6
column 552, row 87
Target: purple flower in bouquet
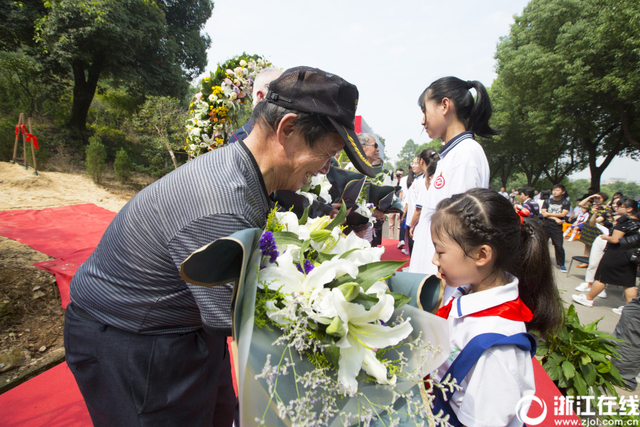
column 306, row 267
column 268, row 246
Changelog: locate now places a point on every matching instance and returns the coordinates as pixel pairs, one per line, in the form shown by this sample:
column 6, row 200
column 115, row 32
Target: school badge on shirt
column 438, row 183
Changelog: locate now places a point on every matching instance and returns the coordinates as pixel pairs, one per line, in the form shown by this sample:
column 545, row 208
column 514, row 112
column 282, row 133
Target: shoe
column 405, row 251
column 618, row 310
column 401, row 244
column 583, row 287
column 582, row 299
column 563, row 269
column 603, row 294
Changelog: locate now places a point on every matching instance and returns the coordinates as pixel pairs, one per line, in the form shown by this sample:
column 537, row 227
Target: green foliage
column 407, row 154
column 153, row 47
column 628, row 189
column 578, row 358
column 162, row 119
column 95, row 160
column 122, row 166
column 567, row 89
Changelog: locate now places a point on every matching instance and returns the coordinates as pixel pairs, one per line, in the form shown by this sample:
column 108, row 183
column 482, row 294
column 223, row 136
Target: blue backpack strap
column 468, row 358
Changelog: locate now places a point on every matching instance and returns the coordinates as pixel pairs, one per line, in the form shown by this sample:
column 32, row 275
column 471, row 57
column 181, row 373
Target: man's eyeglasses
column 375, row 144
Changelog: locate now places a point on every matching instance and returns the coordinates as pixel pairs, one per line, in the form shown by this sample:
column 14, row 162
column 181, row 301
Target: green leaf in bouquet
column 366, row 300
column 332, row 353
column 339, row 219
column 349, row 252
column 316, row 190
column 568, row 369
column 284, row 238
column 303, row 248
column 305, row 215
column 399, row 299
column 369, row 274
column 322, row 257
column 580, row 385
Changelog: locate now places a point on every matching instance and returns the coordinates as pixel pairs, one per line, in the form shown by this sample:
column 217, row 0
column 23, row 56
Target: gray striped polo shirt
column 132, row 281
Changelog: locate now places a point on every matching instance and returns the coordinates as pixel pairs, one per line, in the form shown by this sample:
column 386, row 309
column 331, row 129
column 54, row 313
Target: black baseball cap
column 313, row 91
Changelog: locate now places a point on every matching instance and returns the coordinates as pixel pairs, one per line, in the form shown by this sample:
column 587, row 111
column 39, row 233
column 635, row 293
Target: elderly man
column 145, row 347
column 260, row 90
column 370, row 146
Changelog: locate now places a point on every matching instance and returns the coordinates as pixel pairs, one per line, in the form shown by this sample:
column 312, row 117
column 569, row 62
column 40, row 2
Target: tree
column 153, row 47
column 407, row 153
column 162, row 118
column 569, row 68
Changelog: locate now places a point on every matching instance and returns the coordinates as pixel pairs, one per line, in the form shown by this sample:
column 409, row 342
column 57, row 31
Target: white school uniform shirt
column 502, row 375
column 403, row 185
column 412, row 195
column 462, row 166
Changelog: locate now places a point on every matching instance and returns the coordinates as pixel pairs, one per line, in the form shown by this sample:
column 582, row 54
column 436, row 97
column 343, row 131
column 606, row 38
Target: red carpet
column 69, row 233
column 51, row 399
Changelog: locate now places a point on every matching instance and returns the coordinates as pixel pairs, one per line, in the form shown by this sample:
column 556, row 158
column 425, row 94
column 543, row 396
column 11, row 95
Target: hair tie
column 469, row 84
column 523, row 213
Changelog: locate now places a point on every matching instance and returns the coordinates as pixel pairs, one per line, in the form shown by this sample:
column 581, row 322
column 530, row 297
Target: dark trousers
column 402, row 233
column 628, row 329
column 128, row 379
column 377, row 238
column 554, row 232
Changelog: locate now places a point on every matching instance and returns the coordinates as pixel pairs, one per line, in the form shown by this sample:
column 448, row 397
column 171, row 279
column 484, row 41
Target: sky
column 391, row 50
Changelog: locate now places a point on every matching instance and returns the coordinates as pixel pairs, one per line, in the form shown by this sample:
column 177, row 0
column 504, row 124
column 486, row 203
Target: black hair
column 311, row 126
column 474, row 113
column 428, row 156
column 559, row 186
column 629, row 204
column 410, row 177
column 400, row 169
column 483, row 217
column 528, row 191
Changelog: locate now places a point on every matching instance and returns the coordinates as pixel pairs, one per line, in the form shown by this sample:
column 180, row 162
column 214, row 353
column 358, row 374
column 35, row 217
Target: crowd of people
column 147, row 348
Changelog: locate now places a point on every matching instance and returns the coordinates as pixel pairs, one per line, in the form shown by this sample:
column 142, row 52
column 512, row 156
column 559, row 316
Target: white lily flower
column 285, row 276
column 278, row 315
column 363, row 335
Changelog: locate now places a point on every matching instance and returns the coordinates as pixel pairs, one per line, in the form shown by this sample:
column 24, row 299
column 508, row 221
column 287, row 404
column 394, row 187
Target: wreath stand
column 27, row 136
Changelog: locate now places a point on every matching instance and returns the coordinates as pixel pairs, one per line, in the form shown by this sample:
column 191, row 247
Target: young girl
column 499, row 264
column 581, row 220
column 451, row 113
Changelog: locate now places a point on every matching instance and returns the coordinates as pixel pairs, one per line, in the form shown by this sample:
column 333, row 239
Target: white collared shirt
column 502, row 375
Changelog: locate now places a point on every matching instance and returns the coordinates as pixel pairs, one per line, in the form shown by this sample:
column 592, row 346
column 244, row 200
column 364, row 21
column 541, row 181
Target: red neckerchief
column 510, row 310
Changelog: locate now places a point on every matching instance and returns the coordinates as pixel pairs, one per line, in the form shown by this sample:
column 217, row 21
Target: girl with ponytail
column 450, row 112
column 499, row 266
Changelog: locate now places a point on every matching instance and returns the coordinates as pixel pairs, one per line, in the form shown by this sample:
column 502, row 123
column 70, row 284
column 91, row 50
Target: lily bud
column 336, row 327
column 320, row 235
column 350, row 290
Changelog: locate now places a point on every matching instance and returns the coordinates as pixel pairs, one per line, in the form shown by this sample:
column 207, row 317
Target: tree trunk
column 170, row 150
column 84, row 88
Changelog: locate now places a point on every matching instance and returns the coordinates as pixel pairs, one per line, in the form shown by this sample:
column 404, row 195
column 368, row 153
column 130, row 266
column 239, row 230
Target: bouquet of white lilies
column 321, row 340
column 341, row 334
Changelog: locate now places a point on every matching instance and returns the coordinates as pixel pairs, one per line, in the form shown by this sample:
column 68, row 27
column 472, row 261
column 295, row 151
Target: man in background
column 554, row 210
column 260, row 89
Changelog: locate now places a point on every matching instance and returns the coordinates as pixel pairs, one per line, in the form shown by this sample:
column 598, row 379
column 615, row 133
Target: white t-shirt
column 462, row 168
column 412, row 196
column 502, row 375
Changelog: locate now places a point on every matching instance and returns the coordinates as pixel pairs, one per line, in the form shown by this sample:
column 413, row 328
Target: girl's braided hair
column 484, row 217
